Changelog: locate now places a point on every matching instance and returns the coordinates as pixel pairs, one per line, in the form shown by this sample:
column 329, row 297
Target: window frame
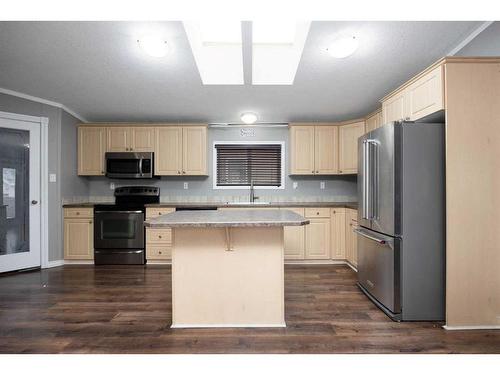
column 244, row 187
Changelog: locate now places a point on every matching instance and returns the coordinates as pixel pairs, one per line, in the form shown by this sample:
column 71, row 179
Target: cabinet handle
column 159, row 236
column 312, row 171
column 90, row 221
column 183, row 172
column 178, row 172
column 317, row 171
column 159, row 213
column 77, row 213
column 159, row 252
column 340, row 171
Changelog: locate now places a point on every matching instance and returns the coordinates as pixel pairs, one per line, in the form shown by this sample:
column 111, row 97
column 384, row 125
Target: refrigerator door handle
column 373, row 179
column 378, row 240
column 366, row 178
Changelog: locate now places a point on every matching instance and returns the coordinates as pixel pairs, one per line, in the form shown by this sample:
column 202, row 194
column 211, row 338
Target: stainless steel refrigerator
column 401, row 217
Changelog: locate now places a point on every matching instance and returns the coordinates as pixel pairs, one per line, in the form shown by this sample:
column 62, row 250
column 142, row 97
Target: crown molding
column 42, row 101
column 469, row 38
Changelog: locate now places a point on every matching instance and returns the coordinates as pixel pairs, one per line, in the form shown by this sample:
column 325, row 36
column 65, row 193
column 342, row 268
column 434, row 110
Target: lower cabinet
column 78, row 234
column 312, row 241
column 351, row 237
column 318, row 239
column 294, row 238
column 158, row 241
column 338, row 232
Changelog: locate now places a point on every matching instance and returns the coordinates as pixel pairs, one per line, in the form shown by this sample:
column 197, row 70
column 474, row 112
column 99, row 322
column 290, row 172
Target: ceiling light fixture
column 249, row 118
column 343, row 46
column 153, row 46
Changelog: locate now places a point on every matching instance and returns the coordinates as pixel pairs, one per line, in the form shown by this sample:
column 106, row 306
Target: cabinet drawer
column 318, row 212
column 158, row 252
column 158, row 211
column 79, row 212
column 158, row 236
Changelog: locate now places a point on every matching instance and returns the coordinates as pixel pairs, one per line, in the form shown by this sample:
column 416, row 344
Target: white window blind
column 239, row 164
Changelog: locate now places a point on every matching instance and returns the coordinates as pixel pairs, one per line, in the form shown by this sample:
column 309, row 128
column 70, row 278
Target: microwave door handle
column 140, row 166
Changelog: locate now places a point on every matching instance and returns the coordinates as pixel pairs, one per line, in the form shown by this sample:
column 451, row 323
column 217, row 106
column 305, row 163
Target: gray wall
column 342, row 187
column 485, row 44
column 17, row 105
column 71, row 184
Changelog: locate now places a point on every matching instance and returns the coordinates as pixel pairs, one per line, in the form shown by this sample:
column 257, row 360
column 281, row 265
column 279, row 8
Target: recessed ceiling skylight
column 276, row 51
column 217, row 49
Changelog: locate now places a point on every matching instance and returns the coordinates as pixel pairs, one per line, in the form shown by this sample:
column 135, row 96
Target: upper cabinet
column 374, row 121
column 302, row 149
column 326, row 150
column 181, row 150
column 348, row 146
column 91, row 150
column 313, row 149
column 418, row 98
column 194, row 145
column 426, row 95
column 127, row 138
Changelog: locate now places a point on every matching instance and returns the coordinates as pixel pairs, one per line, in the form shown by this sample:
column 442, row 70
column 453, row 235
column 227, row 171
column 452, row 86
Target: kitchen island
column 228, row 266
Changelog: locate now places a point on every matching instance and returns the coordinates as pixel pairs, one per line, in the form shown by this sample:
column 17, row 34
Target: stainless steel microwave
column 129, row 164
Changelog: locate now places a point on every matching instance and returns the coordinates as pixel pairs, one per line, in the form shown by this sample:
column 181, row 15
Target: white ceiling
column 97, row 70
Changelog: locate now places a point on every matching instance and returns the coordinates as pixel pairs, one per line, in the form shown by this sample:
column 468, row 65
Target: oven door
column 119, row 229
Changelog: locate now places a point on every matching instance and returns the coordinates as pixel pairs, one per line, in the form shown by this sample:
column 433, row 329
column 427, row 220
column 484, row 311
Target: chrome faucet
column 252, row 192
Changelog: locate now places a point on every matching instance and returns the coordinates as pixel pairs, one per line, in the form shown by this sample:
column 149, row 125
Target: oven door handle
column 119, row 212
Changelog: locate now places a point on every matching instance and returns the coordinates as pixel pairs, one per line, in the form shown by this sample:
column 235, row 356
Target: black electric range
column 119, row 233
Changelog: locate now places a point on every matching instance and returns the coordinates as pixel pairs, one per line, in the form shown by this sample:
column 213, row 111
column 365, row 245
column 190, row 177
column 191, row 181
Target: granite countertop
column 230, row 218
column 353, row 205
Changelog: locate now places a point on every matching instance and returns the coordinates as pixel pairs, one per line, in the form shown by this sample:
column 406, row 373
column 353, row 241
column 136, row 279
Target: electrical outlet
column 186, row 186
column 295, row 185
column 322, row 185
column 112, row 185
column 52, row 177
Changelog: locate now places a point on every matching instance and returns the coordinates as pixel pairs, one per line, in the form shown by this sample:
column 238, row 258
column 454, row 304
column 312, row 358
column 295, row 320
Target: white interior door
column 20, row 213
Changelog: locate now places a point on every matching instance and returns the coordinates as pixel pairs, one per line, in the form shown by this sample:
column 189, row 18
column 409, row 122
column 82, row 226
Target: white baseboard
column 350, row 265
column 54, row 263
column 458, row 328
column 280, row 325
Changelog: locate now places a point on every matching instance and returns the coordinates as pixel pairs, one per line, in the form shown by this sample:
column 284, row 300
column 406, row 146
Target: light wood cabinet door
column 351, row 237
column 91, row 150
column 168, row 153
column 302, row 150
column 326, row 149
column 373, row 122
column 294, row 239
column 194, row 141
column 395, row 108
column 79, row 239
column 348, row 147
column 426, row 95
column 119, row 139
column 142, row 139
column 318, row 239
column 338, row 233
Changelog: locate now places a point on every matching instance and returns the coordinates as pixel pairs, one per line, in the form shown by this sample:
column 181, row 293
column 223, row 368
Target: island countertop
column 229, row 218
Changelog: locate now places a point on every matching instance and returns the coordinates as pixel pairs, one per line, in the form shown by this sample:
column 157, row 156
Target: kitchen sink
column 248, row 203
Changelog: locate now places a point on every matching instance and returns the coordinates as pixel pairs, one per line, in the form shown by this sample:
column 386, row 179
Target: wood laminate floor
column 87, row 309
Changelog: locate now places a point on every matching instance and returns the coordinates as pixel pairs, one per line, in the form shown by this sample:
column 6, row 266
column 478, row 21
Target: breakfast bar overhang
column 228, row 266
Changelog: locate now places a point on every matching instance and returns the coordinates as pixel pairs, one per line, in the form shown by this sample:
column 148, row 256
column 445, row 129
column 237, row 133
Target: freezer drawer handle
column 382, row 242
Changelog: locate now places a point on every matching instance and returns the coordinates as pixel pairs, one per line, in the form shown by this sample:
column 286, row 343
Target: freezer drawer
column 379, row 267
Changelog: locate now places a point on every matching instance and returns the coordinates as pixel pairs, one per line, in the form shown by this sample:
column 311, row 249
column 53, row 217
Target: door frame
column 44, row 180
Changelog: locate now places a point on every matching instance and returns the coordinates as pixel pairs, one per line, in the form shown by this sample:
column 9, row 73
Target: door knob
column 34, row 202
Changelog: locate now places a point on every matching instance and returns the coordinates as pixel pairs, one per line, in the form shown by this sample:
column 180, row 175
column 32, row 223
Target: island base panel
column 216, row 287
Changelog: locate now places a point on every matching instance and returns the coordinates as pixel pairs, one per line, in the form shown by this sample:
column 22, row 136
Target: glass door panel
column 19, row 201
